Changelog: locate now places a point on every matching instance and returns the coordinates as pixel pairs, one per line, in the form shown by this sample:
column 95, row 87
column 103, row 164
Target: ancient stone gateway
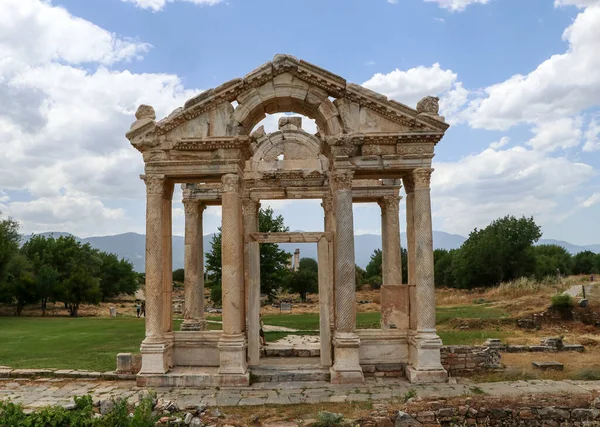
column 366, row 147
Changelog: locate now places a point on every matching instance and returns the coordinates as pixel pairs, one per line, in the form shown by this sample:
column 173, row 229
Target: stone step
column 266, row 373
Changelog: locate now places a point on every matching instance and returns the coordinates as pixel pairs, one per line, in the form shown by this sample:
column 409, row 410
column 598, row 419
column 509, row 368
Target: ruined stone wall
column 462, row 360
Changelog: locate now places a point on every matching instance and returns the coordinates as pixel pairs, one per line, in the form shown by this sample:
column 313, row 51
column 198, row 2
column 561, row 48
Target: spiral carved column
column 425, row 344
column 346, row 368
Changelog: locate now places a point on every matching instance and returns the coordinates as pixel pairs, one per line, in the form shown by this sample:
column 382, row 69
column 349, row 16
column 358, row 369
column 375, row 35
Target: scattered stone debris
column 548, row 366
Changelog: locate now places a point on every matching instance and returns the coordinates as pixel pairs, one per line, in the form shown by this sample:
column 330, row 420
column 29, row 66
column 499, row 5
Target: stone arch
column 293, row 144
column 284, row 93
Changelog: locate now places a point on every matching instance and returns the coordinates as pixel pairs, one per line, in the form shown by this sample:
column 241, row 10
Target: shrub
column 562, row 301
column 328, row 419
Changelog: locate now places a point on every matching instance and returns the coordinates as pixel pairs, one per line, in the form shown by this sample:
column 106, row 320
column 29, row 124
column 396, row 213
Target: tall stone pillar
column 346, row 368
column 167, row 235
column 252, row 267
column 233, row 369
column 424, row 343
column 394, row 296
column 327, row 205
column 156, row 348
column 193, row 313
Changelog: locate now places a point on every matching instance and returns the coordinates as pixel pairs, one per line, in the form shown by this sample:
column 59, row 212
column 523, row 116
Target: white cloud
column 592, row 137
column 409, row 86
column 392, row 1
column 482, row 187
column 500, row 143
column 564, row 85
column 560, row 133
column 36, row 32
column 578, row 3
column 456, row 5
column 157, row 5
column 591, row 201
column 62, row 126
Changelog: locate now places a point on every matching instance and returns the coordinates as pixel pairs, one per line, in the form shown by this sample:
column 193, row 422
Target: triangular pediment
column 288, row 84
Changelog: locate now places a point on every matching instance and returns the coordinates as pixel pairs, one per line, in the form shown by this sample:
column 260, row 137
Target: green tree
column 19, row 284
column 586, row 262
column 43, row 255
column 9, row 244
column 273, row 260
column 502, row 251
column 549, row 258
column 116, row 276
column 374, row 266
column 306, row 279
column 442, row 259
column 360, row 276
column 179, row 275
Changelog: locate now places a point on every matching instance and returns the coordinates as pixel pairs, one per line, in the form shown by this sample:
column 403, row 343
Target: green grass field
column 92, row 343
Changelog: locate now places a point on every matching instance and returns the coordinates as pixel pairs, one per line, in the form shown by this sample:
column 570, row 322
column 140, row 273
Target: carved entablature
column 356, row 127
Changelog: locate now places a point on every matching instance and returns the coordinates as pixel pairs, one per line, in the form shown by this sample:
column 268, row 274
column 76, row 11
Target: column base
column 194, row 325
column 424, row 355
column 232, row 357
column 157, row 357
column 346, row 367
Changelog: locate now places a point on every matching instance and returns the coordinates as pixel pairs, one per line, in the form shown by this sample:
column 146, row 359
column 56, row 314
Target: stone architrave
column 193, row 313
column 233, row 369
column 155, row 347
column 346, row 368
column 252, row 265
column 424, row 343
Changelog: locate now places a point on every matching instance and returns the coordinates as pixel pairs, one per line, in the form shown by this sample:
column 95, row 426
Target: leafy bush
column 328, row 419
column 12, row 415
column 562, row 301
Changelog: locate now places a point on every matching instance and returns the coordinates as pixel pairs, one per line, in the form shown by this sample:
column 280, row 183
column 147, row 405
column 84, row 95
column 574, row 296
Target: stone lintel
column 292, row 237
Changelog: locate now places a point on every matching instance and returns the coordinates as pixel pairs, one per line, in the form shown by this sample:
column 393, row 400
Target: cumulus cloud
column 409, row 86
column 591, row 201
column 63, row 115
column 578, row 3
column 156, row 5
column 562, row 86
column 558, row 134
column 456, row 5
column 500, row 143
column 592, row 137
column 482, row 187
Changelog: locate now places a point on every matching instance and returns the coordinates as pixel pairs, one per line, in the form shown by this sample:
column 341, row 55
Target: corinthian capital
column 231, row 183
column 422, row 177
column 342, row 180
column 390, row 203
column 250, row 206
column 327, row 204
column 193, row 208
column 155, row 184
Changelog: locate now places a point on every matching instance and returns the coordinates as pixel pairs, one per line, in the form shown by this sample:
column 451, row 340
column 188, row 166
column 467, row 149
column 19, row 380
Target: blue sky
column 518, row 82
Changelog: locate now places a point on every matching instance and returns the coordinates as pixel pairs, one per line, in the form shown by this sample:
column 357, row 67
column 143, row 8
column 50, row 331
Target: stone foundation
column 463, row 360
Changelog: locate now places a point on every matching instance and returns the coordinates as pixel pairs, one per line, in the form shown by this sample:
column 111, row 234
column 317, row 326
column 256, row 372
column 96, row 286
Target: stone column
column 296, row 259
column 252, row 267
column 167, row 234
column 424, row 343
column 233, row 369
column 346, row 368
column 394, row 296
column 324, row 302
column 155, row 348
column 193, row 313
column 327, row 205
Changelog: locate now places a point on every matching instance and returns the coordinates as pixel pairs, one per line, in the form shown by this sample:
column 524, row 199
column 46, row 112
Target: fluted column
column 250, row 208
column 155, row 347
column 232, row 345
column 425, row 344
column 346, row 368
column 193, row 313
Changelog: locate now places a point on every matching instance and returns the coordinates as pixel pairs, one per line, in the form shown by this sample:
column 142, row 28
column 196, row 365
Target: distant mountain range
column 132, row 246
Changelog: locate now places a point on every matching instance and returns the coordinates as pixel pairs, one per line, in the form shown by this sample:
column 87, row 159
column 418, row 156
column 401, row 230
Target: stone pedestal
column 193, row 313
column 394, row 307
column 233, row 368
column 424, row 343
column 346, row 368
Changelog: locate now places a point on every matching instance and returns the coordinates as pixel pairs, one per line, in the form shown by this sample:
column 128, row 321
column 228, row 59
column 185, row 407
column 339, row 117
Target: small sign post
column 285, row 306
